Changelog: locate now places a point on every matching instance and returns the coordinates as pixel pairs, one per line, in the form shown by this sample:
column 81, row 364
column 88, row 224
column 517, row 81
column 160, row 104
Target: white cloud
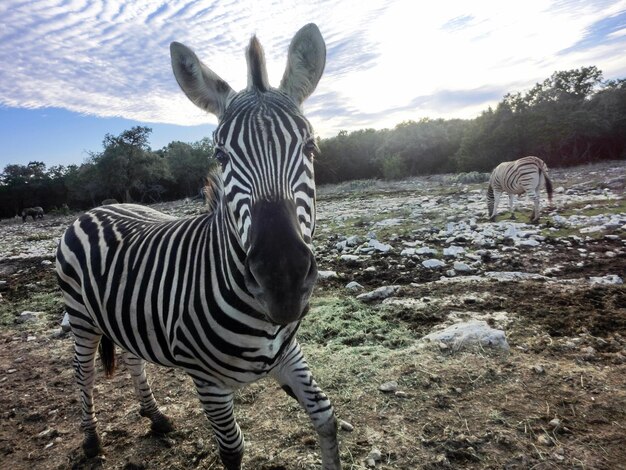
column 111, row 58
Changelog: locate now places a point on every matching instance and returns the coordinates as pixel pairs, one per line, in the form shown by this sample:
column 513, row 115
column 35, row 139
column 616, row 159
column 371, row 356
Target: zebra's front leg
column 85, row 347
column 217, row 403
column 161, row 424
column 496, row 201
column 295, row 378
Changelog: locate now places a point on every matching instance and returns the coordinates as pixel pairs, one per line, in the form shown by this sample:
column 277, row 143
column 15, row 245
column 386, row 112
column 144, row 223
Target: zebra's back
column 518, row 176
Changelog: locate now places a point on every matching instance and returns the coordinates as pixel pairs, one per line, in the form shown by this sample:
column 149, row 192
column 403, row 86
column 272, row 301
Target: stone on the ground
column 378, row 294
column 388, row 387
column 608, row 279
column 505, row 276
column 433, row 263
column 353, row 285
column 327, row 274
column 65, row 323
column 461, row 267
column 468, row 334
column 29, row 316
column 425, row 251
column 378, row 246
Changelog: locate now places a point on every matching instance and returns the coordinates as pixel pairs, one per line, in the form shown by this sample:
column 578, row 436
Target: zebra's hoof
column 232, row 461
column 92, row 446
column 162, row 425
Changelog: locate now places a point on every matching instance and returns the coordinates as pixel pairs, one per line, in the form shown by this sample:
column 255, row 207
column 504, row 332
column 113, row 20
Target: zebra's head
column 266, row 146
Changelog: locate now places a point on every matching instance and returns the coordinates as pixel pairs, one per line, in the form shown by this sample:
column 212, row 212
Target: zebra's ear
column 201, row 85
column 305, row 63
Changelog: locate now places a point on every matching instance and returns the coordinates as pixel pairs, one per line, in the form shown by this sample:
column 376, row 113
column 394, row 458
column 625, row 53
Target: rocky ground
column 444, row 340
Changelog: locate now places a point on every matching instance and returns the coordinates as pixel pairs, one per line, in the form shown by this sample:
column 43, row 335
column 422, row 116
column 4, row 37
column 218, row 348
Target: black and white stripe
column 220, row 295
column 525, row 175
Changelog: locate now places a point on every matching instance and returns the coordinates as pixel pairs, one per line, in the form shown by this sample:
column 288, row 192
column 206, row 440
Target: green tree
column 189, row 164
column 127, row 166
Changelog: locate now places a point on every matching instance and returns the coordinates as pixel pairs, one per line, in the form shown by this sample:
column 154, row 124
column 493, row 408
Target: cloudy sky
column 73, row 70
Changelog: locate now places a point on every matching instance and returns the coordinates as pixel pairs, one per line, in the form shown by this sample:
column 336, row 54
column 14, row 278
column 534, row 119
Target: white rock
column 388, row 222
column 388, row 387
column 349, row 258
column 505, row 276
column 453, row 251
column 461, row 267
column 510, row 232
column 375, row 455
column 425, row 251
column 408, row 252
column 433, row 263
column 608, row 279
column 327, row 274
column 27, row 315
column 377, row 294
column 378, row 246
column 345, row 426
column 65, row 323
column 529, row 243
column 471, row 333
column 592, row 229
column 353, row 285
column 353, row 240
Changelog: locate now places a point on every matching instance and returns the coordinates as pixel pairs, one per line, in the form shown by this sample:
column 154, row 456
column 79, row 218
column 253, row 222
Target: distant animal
column 107, row 202
column 220, row 295
column 525, row 175
column 35, row 212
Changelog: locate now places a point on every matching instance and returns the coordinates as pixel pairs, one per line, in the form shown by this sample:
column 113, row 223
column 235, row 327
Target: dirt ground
column 556, row 399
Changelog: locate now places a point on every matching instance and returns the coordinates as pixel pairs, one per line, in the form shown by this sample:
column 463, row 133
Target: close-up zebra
column 525, row 175
column 220, row 295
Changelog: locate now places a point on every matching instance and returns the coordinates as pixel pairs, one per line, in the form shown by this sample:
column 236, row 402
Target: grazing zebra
column 35, row 212
column 518, row 177
column 219, row 295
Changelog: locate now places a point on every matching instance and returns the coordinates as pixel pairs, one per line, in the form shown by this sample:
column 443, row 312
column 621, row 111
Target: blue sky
column 73, row 70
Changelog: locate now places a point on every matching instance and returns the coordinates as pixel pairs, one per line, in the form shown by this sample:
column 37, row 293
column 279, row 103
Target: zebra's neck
column 228, row 261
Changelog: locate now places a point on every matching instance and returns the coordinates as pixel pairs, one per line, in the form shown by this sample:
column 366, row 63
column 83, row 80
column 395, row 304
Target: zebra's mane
column 213, row 189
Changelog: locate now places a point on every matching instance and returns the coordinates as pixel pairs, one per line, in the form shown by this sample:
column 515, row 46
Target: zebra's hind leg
column 296, row 379
column 535, row 216
column 85, row 348
column 217, row 403
column 161, row 424
column 512, row 205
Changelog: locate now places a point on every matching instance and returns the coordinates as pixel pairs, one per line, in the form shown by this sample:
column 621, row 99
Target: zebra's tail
column 548, row 186
column 107, row 355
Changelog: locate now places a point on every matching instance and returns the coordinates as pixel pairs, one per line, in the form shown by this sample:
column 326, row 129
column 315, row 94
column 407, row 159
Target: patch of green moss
column 338, row 321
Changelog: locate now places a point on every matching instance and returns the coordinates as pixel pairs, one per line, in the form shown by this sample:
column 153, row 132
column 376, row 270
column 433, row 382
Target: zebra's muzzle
column 280, row 268
column 282, row 295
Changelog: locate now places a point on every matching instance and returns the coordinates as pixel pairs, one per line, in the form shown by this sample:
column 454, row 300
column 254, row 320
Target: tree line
column 126, row 170
column 570, row 118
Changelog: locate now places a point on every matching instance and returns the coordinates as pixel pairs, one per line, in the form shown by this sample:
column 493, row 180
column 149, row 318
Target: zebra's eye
column 311, row 149
column 221, row 157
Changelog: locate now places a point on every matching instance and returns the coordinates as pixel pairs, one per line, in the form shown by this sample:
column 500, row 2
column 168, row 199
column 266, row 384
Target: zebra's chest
column 229, row 352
